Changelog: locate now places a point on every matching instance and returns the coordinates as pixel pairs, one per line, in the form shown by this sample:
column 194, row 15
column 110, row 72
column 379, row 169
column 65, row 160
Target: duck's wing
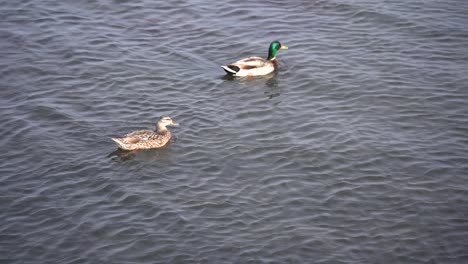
column 245, row 64
column 250, row 63
column 138, row 136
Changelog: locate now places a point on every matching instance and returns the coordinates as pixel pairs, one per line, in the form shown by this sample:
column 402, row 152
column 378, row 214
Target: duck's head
column 274, row 47
column 165, row 121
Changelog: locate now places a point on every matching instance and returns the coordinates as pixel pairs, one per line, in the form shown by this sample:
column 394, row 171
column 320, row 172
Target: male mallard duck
column 255, row 66
column 147, row 139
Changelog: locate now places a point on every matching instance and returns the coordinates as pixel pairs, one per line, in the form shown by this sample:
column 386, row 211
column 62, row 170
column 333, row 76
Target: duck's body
column 147, row 139
column 256, row 66
column 143, row 139
column 253, row 66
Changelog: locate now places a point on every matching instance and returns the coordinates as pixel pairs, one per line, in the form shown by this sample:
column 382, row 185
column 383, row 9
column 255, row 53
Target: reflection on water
column 123, row 155
column 151, row 154
column 270, row 81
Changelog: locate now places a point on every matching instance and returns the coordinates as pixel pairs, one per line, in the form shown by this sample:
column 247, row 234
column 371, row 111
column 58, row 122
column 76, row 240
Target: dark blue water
column 355, row 152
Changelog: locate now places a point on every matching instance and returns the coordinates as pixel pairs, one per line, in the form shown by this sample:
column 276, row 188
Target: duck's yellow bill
column 283, row 47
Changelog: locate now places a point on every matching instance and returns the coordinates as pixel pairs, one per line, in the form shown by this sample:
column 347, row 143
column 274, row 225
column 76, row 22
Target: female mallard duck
column 147, row 139
column 255, row 66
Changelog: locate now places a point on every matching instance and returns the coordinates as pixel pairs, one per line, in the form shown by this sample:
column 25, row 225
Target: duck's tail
column 231, row 69
column 121, row 144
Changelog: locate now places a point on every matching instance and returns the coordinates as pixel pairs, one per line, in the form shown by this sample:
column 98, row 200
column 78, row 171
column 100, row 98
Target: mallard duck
column 147, row 139
column 255, row 66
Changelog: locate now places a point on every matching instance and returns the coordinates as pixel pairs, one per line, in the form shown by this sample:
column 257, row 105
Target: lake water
column 355, row 152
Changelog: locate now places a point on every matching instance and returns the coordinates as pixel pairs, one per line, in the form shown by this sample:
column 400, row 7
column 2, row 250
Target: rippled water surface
column 355, row 152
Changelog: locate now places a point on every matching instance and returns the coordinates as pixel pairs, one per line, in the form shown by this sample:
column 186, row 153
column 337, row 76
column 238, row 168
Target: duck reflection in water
column 148, row 154
column 270, row 80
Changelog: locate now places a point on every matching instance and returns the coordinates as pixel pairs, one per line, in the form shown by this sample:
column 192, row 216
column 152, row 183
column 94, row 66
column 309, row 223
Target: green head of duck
column 274, row 47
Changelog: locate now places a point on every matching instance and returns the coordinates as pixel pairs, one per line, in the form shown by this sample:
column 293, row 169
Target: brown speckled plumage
column 147, row 139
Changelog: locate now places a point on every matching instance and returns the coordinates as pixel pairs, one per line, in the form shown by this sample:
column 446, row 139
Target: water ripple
column 354, row 152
